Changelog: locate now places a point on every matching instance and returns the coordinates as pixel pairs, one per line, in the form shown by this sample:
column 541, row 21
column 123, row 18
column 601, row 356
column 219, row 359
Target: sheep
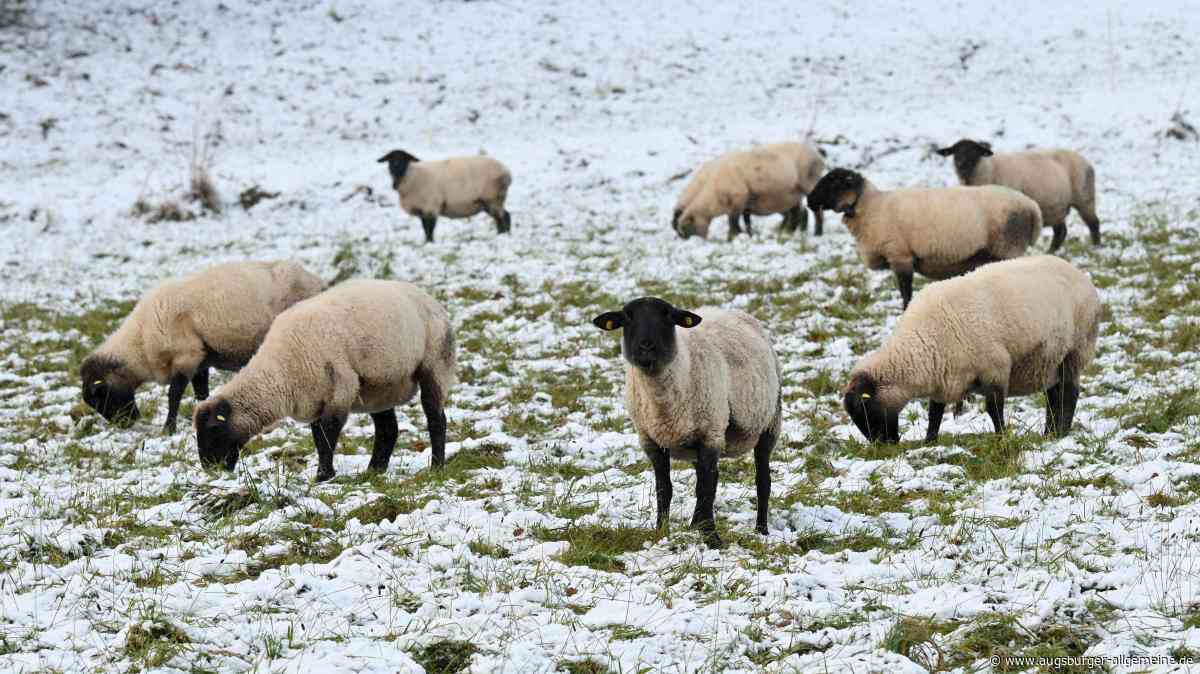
column 737, row 184
column 1056, row 179
column 709, row 391
column 181, row 328
column 1011, row 328
column 362, row 346
column 458, row 187
column 937, row 232
column 810, row 166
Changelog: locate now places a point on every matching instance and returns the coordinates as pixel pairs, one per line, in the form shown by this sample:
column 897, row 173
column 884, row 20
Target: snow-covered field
column 533, row 551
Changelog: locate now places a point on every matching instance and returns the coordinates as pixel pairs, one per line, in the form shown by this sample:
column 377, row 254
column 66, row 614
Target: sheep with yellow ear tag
column 699, row 387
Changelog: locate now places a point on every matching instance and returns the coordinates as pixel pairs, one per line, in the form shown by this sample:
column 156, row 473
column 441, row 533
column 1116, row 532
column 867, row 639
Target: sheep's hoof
column 762, row 529
column 323, row 476
column 713, row 541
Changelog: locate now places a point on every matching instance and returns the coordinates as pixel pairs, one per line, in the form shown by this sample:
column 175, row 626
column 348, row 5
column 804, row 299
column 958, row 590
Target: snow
column 593, row 106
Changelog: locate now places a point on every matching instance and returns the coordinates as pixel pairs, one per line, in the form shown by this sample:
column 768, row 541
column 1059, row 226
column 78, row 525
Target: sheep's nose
column 646, row 345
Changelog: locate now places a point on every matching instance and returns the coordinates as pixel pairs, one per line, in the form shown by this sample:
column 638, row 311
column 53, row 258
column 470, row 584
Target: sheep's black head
column 397, row 161
column 675, row 222
column 874, row 421
column 107, row 390
column 837, row 191
column 649, row 338
column 217, row 436
column 967, row 154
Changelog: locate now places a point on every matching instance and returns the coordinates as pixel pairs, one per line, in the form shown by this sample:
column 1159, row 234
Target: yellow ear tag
column 609, row 325
column 687, row 320
column 866, row 396
column 98, row 381
column 220, row 418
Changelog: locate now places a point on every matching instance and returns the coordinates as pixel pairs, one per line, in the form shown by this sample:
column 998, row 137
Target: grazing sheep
column 737, row 184
column 699, row 394
column 1012, row 328
column 810, row 166
column 1056, row 179
column 937, row 232
column 458, row 187
column 181, row 328
column 362, row 346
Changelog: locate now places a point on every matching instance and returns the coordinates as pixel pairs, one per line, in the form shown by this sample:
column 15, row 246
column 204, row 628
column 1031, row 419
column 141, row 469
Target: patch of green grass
column 629, row 633
column 154, row 643
column 485, row 549
column 916, row 639
column 597, row 546
column 583, row 667
column 445, row 657
column 1158, row 414
column 387, row 507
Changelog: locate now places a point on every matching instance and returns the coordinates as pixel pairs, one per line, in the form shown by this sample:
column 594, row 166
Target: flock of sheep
column 700, row 385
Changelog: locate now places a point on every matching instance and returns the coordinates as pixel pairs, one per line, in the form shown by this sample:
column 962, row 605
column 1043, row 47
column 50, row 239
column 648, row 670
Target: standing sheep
column 699, row 394
column 1056, row 179
column 458, row 187
column 181, row 328
column 735, row 185
column 937, row 232
column 362, row 346
column 1012, row 328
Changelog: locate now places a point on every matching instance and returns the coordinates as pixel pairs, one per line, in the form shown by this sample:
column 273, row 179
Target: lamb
column 756, row 181
column 1057, row 180
column 362, row 346
column 458, row 187
column 937, row 232
column 709, row 391
column 1011, row 328
column 181, row 328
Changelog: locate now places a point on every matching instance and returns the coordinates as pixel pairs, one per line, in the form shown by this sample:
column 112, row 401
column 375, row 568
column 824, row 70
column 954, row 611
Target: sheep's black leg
column 435, row 416
column 904, row 281
column 325, row 432
column 1061, row 400
column 428, row 222
column 661, row 460
column 386, row 432
column 706, row 495
column 734, row 229
column 746, row 222
column 994, row 399
column 818, row 223
column 799, row 218
column 762, row 478
column 1060, row 235
column 200, row 382
column 1093, row 224
column 936, row 410
column 174, row 395
column 507, row 222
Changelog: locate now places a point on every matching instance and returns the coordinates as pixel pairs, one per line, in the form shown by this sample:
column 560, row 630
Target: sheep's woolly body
column 758, row 180
column 458, row 187
column 809, row 163
column 942, row 232
column 1009, row 324
column 358, row 347
column 1055, row 179
column 219, row 315
column 720, row 391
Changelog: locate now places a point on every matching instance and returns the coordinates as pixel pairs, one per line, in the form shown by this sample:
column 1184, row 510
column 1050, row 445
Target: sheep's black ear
column 945, row 151
column 609, row 320
column 985, row 149
column 684, row 319
column 218, row 416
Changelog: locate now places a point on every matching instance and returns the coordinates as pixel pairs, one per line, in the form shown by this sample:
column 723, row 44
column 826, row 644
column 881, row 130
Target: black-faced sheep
column 181, row 328
column 707, row 391
column 362, row 346
column 936, row 232
column 738, row 184
column 458, row 187
column 1056, row 179
column 1012, row 328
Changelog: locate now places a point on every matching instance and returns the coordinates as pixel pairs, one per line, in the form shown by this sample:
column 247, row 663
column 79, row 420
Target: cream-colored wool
column 941, row 232
column 1056, row 179
column 357, row 347
column 224, row 311
column 458, row 187
column 757, row 181
column 721, row 390
column 1009, row 324
column 809, row 163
